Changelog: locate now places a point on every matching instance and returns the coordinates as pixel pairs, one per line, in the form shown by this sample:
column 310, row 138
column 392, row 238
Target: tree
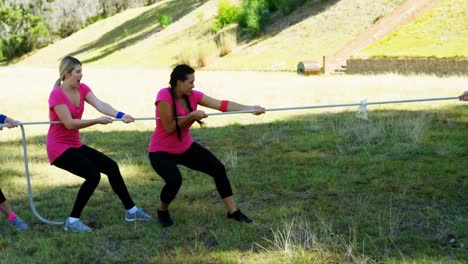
column 20, row 30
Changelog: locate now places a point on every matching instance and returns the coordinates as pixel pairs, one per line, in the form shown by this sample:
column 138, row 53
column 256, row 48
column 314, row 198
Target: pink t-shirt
column 59, row 138
column 170, row 143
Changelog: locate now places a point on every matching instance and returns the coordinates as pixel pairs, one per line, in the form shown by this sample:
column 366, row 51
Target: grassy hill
column 135, row 38
column 441, row 33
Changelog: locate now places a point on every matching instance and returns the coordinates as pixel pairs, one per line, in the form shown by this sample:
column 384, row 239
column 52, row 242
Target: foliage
column 69, row 26
column 21, row 30
column 226, row 43
column 285, row 6
column 164, row 20
column 227, row 14
column 32, row 24
column 254, row 16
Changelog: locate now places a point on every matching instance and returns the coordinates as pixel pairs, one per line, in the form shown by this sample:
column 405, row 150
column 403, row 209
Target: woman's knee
column 94, row 178
column 174, row 182
column 218, row 169
column 111, row 168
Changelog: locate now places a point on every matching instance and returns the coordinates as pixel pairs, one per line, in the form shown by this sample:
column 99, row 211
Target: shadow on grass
column 139, row 28
column 383, row 190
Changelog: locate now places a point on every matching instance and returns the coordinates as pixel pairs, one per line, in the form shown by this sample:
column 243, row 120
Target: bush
column 198, row 54
column 227, row 14
column 285, row 6
column 69, row 25
column 227, row 42
column 164, row 20
column 21, row 31
column 206, row 53
column 255, row 14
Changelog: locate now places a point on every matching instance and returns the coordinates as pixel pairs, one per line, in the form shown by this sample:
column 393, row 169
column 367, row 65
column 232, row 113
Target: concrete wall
column 409, row 66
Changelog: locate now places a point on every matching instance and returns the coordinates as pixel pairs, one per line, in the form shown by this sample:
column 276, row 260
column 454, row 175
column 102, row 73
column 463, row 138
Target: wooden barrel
column 308, row 68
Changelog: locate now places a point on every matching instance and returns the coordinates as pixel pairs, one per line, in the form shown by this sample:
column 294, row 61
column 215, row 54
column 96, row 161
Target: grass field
column 321, row 186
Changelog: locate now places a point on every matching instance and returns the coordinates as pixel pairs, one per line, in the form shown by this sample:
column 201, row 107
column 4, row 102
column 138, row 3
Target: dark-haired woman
column 172, row 144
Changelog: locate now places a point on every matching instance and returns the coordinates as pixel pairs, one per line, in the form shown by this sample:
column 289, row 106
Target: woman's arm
column 231, row 106
column 106, row 108
column 65, row 117
column 464, row 96
column 166, row 116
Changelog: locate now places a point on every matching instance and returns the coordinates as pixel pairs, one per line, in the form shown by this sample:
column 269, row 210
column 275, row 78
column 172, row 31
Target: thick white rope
column 362, row 108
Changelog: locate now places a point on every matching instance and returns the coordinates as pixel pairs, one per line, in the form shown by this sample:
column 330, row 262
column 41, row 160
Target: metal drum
column 308, row 68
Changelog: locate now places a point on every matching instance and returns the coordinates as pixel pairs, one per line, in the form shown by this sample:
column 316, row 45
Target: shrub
column 21, row 31
column 285, row 6
column 254, row 16
column 164, row 20
column 68, row 26
column 206, row 52
column 227, row 42
column 227, row 14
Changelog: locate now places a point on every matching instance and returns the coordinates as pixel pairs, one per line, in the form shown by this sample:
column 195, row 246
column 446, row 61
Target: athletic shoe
column 77, row 226
column 138, row 215
column 239, row 216
column 165, row 218
column 19, row 223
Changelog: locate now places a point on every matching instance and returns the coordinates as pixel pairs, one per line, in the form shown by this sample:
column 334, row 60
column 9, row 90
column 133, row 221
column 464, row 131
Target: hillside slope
column 135, row 38
column 442, row 33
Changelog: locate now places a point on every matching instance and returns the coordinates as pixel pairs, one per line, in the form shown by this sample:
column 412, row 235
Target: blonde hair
column 66, row 65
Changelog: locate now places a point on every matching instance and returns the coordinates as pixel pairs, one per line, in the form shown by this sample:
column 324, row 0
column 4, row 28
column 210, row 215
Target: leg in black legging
column 165, row 166
column 199, row 158
column 2, row 197
column 110, row 168
column 88, row 164
column 73, row 161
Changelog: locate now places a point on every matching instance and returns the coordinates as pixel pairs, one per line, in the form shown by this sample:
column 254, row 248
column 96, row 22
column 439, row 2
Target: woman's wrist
column 2, row 119
column 223, row 107
column 119, row 115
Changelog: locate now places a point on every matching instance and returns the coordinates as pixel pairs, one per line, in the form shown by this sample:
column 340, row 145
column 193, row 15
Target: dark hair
column 179, row 73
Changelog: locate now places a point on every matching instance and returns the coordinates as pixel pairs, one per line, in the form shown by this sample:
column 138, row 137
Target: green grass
column 321, row 185
column 441, row 33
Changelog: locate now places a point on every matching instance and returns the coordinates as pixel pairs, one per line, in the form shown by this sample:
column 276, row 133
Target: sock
column 72, row 220
column 11, row 217
column 132, row 210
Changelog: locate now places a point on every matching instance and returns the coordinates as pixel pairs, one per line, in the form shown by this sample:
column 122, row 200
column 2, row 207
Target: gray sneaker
column 19, row 223
column 138, row 215
column 77, row 226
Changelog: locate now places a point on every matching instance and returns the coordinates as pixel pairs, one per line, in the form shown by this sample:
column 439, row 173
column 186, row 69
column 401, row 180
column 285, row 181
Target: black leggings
column 196, row 158
column 2, row 197
column 89, row 163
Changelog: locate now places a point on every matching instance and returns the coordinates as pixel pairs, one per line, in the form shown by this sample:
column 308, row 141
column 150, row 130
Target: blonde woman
column 66, row 151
